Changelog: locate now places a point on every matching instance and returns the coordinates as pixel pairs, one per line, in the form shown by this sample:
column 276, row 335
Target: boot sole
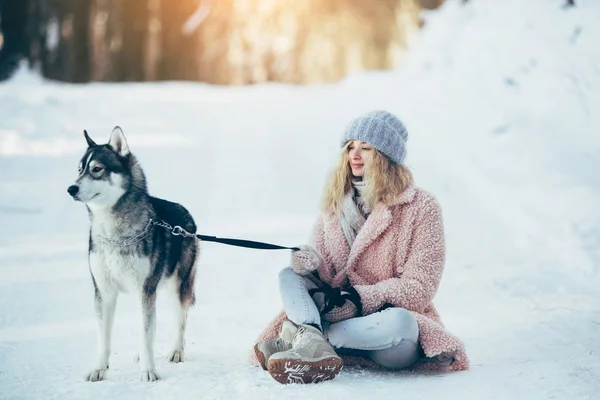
column 261, row 357
column 286, row 371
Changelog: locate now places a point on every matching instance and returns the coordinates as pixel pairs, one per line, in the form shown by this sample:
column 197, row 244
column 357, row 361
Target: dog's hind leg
column 182, row 298
column 180, row 312
column 105, row 304
column 180, row 320
column 147, row 335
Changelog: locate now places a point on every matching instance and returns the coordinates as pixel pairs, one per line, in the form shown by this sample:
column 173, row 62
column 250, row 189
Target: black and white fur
column 129, row 254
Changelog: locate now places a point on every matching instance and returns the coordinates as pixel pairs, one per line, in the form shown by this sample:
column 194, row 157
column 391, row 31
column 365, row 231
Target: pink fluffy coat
column 397, row 258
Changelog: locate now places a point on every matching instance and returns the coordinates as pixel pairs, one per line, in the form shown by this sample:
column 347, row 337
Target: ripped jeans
column 390, row 337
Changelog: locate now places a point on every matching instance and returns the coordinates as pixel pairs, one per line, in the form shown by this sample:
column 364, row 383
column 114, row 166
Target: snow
column 501, row 101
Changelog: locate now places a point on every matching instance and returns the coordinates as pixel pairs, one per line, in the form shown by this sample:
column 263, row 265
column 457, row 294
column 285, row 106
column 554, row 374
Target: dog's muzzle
column 73, row 190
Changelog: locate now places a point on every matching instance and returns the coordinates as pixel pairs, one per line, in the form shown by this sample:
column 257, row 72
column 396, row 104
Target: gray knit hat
column 382, row 130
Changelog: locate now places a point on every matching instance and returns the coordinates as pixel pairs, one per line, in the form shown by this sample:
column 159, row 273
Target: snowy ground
column 501, row 101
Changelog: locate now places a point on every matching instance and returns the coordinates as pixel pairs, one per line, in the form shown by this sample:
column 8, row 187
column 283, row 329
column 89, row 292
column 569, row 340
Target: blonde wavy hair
column 384, row 181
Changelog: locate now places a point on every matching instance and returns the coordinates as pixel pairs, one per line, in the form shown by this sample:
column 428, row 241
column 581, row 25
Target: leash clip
column 179, row 231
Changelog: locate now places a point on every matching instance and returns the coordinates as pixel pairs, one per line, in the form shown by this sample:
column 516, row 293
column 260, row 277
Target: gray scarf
column 354, row 212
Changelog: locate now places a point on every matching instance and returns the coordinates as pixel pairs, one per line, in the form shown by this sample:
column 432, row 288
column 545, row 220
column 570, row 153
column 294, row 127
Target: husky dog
column 130, row 250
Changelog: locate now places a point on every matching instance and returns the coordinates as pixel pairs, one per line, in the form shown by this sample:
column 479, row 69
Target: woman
column 362, row 294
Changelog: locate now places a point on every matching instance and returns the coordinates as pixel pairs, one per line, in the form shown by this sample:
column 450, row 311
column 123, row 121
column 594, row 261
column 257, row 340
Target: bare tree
column 134, row 33
column 79, row 43
column 13, row 31
column 58, row 38
column 179, row 50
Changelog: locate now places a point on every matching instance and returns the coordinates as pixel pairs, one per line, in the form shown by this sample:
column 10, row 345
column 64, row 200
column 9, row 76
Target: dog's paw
column 97, row 375
column 149, row 376
column 176, row 356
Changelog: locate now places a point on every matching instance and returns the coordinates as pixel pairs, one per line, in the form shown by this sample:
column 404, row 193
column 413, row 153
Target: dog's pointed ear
column 88, row 139
column 118, row 142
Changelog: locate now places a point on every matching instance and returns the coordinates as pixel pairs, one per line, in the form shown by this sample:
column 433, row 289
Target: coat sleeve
column 418, row 280
column 326, row 269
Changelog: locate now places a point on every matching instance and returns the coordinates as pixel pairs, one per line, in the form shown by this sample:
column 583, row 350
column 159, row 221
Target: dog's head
column 106, row 172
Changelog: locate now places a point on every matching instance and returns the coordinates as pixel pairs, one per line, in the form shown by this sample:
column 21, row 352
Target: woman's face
column 360, row 155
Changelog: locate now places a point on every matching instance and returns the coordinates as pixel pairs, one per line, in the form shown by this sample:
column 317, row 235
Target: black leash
column 179, row 231
column 245, row 243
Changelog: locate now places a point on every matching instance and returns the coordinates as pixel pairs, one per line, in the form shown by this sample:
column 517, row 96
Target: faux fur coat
column 398, row 259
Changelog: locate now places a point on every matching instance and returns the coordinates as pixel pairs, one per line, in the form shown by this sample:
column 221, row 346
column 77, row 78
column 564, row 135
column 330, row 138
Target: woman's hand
column 306, row 260
column 338, row 305
column 346, row 311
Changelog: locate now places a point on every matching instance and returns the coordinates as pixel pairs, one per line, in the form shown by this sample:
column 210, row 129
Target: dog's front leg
column 105, row 304
column 147, row 338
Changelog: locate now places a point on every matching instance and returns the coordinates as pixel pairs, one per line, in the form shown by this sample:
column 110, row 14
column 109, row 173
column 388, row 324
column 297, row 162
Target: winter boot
column 310, row 359
column 265, row 349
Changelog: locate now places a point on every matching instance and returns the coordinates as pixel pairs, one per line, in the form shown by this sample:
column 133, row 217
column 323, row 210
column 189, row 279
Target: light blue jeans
column 390, row 337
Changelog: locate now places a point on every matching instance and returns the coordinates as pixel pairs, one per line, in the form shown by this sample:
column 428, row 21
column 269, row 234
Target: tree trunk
column 53, row 14
column 65, row 44
column 178, row 51
column 13, row 30
column 79, row 60
column 130, row 63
